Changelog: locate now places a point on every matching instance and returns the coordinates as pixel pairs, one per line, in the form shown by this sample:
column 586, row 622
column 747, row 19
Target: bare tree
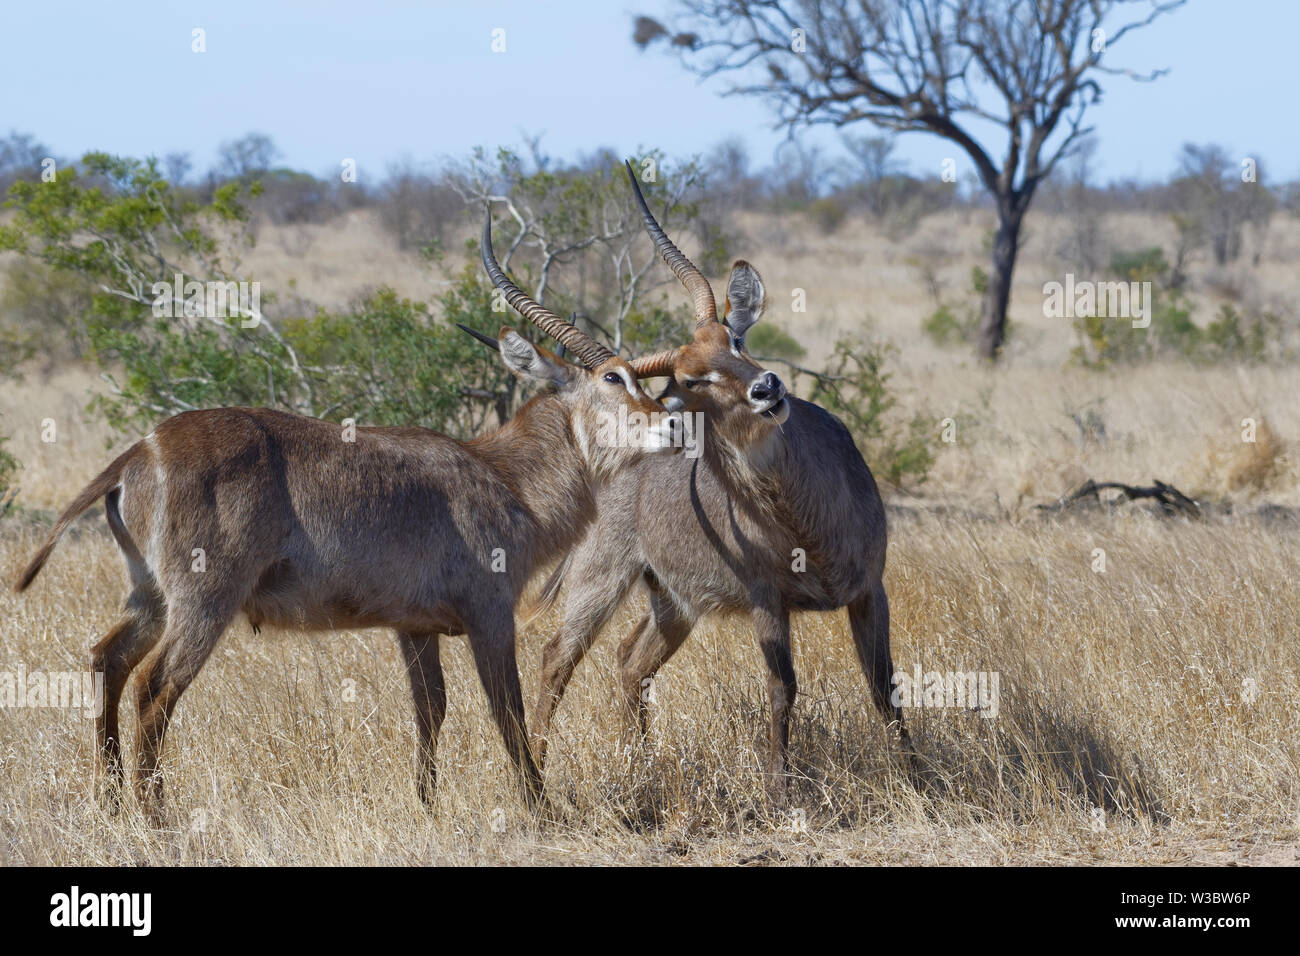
column 872, row 168
column 177, row 167
column 247, row 156
column 1215, row 198
column 943, row 67
column 1074, row 198
column 585, row 220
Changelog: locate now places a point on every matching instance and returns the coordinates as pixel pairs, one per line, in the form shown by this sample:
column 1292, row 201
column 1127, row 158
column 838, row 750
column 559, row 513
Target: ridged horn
column 655, row 364
column 590, row 352
column 706, row 309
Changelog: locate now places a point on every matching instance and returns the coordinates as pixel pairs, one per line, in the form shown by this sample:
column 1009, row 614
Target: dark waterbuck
column 403, row 528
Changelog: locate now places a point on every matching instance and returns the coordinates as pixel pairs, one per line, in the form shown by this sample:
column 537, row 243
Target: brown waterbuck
column 401, row 528
column 765, row 520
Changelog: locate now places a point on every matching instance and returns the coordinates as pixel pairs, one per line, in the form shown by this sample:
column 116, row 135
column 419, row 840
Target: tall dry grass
column 1146, row 713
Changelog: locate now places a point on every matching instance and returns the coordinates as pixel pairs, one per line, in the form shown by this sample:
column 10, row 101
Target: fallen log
column 1170, row 499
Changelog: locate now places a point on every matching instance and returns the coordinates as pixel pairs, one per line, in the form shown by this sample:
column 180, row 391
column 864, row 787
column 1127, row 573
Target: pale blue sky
column 380, row 80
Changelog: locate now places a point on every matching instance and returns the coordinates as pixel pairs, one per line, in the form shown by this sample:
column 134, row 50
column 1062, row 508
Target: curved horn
column 655, row 364
column 706, row 309
column 590, row 352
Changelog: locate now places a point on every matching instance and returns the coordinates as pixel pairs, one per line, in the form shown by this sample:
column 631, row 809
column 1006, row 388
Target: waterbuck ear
column 525, row 360
column 745, row 298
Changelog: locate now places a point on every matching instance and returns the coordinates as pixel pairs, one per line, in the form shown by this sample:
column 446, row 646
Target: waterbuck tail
column 106, row 481
column 549, row 592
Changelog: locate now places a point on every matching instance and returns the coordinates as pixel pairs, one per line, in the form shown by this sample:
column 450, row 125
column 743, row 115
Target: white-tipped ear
column 746, row 298
column 523, row 358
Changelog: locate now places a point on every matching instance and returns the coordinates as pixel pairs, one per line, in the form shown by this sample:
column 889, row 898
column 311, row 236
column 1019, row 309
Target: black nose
column 766, row 388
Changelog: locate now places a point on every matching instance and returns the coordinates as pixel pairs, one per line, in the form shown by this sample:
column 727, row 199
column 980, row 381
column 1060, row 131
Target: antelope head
column 612, row 417
column 713, row 373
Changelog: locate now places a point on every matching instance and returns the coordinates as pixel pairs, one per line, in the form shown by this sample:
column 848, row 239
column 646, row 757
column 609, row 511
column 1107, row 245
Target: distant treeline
column 418, row 202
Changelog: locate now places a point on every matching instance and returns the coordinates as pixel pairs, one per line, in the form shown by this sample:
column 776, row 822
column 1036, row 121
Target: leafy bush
column 651, row 328
column 1237, row 337
column 1230, row 336
column 950, row 326
column 395, row 365
column 112, row 228
column 771, row 341
column 1140, row 265
column 117, row 226
column 856, row 388
column 944, row 329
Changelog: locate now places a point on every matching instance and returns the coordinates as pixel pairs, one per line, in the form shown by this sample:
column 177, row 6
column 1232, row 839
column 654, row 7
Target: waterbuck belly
column 291, row 596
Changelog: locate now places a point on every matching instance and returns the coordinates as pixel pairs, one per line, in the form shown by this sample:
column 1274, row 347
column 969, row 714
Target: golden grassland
column 1147, row 712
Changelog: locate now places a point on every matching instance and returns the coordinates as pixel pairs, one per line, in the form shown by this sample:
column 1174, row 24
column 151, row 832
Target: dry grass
column 1121, row 690
column 1147, row 713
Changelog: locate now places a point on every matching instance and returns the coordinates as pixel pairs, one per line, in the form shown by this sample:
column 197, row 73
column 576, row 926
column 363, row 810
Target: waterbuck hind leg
column 647, row 647
column 191, row 632
column 593, row 597
column 869, row 622
column 424, row 668
column 492, row 642
column 772, row 629
column 115, row 656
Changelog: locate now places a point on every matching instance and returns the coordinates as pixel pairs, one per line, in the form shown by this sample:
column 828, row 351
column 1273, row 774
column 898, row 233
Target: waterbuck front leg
column 647, row 648
column 869, row 622
column 594, row 594
column 424, row 668
column 115, row 656
column 772, row 628
column 492, row 641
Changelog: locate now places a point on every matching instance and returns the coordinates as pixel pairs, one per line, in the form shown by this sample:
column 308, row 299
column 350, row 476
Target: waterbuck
column 402, row 528
column 765, row 521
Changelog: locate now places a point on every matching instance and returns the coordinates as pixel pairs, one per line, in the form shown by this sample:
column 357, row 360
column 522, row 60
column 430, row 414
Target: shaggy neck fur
column 536, row 456
column 753, row 468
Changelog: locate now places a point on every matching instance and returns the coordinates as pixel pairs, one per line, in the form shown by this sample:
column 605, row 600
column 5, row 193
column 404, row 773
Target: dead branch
column 1171, row 501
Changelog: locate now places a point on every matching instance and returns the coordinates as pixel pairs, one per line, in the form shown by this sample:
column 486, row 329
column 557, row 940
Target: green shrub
column 650, row 328
column 1230, row 336
column 944, row 329
column 856, row 388
column 1140, row 265
column 950, row 326
column 110, row 228
column 1236, row 337
column 771, row 341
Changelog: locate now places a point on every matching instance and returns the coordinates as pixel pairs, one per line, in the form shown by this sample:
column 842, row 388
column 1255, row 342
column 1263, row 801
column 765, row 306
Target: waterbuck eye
column 694, row 382
column 738, row 344
column 613, row 378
